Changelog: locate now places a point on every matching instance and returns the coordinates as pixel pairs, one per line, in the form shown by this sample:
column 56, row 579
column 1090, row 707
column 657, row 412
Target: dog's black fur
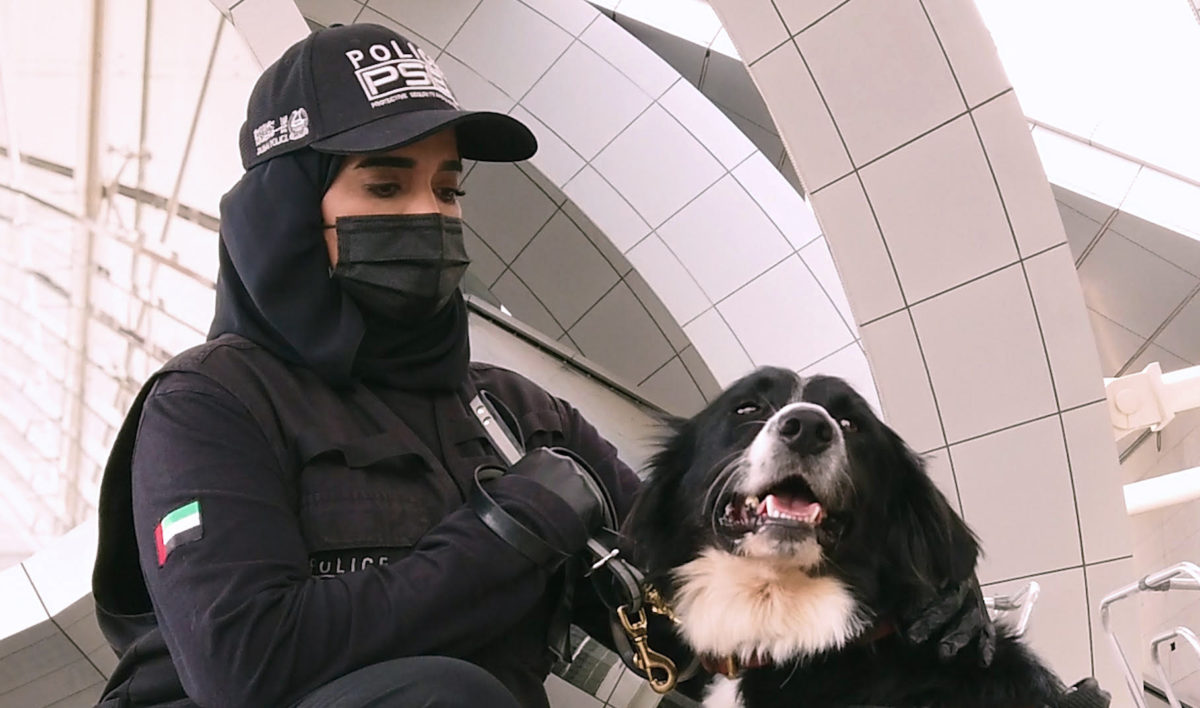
column 893, row 541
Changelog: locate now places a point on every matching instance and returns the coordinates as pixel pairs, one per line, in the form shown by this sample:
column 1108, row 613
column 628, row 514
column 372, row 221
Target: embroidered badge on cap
column 287, row 128
column 177, row 528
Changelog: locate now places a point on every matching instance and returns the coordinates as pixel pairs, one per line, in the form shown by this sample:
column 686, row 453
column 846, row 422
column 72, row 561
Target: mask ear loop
column 326, row 227
column 329, row 268
column 332, row 169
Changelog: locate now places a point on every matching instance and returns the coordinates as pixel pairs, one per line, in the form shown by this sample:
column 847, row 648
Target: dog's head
column 798, row 471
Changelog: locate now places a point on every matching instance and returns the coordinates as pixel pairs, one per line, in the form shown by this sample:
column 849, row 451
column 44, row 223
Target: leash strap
column 510, row 448
column 516, row 534
column 490, row 411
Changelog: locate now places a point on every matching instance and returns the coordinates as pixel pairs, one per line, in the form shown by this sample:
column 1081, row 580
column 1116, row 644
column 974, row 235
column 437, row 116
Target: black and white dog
column 792, row 530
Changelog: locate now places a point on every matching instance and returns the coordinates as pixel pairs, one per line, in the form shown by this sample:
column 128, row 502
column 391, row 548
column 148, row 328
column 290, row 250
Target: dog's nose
column 806, row 431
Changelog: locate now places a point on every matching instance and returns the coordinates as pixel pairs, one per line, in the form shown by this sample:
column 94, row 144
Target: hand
column 564, row 476
column 955, row 619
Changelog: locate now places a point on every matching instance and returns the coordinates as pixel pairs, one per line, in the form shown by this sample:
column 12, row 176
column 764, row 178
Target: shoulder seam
column 211, row 395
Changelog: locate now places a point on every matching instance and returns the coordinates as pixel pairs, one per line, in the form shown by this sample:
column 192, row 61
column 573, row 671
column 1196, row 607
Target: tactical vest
column 336, row 441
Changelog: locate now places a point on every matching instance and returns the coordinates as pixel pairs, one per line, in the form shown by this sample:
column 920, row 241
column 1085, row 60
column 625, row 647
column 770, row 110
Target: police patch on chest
column 327, row 564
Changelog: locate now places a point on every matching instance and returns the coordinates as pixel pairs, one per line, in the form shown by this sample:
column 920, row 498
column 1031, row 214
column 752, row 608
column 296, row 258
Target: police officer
column 283, row 516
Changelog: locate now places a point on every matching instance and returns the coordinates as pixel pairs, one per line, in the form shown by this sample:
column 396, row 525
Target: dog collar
column 879, row 631
column 731, row 665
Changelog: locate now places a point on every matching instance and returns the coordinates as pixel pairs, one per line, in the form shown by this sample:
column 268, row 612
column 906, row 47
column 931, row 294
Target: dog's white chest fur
column 738, row 605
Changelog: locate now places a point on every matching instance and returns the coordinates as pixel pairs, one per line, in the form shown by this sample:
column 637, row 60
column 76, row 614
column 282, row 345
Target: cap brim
column 482, row 135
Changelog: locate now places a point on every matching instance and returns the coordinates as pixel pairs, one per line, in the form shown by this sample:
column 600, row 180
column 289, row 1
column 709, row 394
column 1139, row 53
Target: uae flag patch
column 177, row 528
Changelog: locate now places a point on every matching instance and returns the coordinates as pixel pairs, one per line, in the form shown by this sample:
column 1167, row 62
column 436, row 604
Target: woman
column 282, row 518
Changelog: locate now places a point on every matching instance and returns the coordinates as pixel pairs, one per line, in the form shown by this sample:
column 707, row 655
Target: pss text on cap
column 365, row 88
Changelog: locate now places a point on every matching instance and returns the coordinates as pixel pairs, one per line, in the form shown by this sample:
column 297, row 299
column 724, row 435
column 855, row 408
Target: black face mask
column 401, row 267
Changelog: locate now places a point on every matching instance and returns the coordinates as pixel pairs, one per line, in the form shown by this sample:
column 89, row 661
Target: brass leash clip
column 658, row 605
column 660, row 670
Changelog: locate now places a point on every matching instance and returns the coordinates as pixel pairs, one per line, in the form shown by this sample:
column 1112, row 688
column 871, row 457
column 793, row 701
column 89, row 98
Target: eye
column 450, row 195
column 747, row 408
column 383, row 190
column 848, row 425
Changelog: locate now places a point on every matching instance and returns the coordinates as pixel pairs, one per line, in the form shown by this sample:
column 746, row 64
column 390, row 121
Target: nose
column 807, row 432
column 425, row 203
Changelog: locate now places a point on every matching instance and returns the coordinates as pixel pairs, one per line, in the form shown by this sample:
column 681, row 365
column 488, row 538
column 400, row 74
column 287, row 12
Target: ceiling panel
column 1115, row 343
column 686, row 58
column 1081, row 229
column 1181, row 250
column 1092, row 209
column 437, row 22
column 515, row 66
column 505, row 207
column 619, row 334
column 1165, row 359
column 619, row 44
column 585, row 100
column 728, row 83
column 566, row 271
column 1181, row 336
column 1132, row 286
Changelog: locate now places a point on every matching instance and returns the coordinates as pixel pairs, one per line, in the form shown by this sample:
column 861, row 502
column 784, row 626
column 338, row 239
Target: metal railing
column 1178, row 633
column 1021, row 603
column 1181, row 576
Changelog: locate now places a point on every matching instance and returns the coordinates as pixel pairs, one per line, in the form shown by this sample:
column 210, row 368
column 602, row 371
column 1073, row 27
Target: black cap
column 364, row 88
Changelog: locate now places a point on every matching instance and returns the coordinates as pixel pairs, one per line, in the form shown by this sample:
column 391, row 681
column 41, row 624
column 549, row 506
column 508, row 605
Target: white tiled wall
column 894, row 86
column 269, row 26
column 869, row 274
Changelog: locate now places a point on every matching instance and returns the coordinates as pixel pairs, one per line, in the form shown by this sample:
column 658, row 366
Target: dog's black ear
column 930, row 544
column 648, row 534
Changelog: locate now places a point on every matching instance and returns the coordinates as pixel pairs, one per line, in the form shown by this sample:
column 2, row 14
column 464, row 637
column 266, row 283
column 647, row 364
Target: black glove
column 564, row 475
column 547, row 506
column 955, row 619
column 1085, row 694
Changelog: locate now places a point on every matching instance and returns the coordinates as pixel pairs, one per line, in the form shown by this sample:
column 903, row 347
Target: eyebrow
column 405, row 162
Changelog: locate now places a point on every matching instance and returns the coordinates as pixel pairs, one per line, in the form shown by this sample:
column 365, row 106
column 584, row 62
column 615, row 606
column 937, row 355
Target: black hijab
column 274, row 288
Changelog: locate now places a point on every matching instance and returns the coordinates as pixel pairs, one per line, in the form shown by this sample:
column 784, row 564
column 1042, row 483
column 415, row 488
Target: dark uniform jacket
column 332, row 532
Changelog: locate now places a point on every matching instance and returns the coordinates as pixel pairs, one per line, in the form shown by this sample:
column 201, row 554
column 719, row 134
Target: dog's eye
column 848, row 425
column 746, row 408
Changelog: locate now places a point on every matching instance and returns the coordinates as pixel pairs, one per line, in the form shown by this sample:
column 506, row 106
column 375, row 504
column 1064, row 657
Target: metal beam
column 173, row 202
column 144, row 110
column 88, row 181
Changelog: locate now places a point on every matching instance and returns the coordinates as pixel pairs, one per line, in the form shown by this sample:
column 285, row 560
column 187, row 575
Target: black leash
column 528, row 543
column 619, row 584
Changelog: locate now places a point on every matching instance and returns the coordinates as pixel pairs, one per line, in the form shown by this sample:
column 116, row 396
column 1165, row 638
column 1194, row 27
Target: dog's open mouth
column 789, row 504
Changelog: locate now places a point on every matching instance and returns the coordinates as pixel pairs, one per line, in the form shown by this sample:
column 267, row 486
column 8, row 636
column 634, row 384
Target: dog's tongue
column 797, row 507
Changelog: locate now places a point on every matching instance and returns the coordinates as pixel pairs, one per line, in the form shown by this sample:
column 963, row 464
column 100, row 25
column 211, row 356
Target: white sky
column 1122, row 73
